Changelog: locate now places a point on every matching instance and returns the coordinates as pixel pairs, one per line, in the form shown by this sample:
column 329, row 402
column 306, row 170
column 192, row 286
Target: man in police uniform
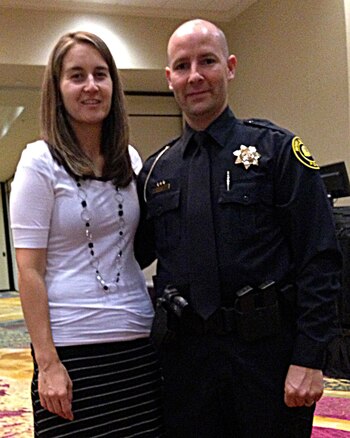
column 236, row 214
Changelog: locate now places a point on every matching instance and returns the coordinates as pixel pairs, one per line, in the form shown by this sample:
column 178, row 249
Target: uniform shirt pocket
column 246, row 209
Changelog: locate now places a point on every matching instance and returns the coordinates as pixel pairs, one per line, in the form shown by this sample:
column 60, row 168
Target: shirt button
column 245, row 198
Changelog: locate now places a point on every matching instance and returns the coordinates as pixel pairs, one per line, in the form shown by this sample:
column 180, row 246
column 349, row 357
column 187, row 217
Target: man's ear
column 231, row 66
column 168, row 77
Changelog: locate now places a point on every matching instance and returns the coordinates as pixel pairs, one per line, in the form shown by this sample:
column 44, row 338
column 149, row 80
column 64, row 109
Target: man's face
column 198, row 73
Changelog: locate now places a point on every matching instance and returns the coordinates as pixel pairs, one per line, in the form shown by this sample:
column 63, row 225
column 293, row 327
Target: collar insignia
column 247, row 155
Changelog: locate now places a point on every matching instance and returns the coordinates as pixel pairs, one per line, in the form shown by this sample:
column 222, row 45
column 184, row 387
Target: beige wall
column 292, row 60
column 27, row 37
column 293, row 70
column 154, row 120
column 347, row 23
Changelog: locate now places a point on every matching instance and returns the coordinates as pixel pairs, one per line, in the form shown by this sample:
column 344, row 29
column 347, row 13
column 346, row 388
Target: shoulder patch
column 303, row 154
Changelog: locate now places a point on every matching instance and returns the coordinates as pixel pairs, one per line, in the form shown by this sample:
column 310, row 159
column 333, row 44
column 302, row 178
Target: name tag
column 161, row 186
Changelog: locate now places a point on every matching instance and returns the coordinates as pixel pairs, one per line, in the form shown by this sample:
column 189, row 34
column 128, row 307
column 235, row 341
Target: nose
column 195, row 73
column 90, row 83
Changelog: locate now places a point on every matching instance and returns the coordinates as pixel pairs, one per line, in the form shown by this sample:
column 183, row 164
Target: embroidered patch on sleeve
column 303, row 154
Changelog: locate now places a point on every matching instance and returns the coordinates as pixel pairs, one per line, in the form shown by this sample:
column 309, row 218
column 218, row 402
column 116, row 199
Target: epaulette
column 301, row 152
column 264, row 123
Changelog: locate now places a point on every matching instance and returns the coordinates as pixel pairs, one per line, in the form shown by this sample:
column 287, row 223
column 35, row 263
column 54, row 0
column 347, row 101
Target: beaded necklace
column 94, row 259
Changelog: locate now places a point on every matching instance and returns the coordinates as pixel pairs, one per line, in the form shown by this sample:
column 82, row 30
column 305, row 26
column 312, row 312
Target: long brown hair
column 57, row 131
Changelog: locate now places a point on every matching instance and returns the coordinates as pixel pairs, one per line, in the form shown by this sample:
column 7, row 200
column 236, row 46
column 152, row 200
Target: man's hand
column 303, row 386
column 55, row 390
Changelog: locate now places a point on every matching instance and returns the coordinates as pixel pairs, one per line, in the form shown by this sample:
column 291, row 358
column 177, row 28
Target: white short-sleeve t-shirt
column 46, row 212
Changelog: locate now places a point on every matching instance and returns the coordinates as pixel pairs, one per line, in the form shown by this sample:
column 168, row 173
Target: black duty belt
column 256, row 315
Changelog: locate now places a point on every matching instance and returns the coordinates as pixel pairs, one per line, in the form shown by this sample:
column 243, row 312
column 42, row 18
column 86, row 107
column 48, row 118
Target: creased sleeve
column 306, row 218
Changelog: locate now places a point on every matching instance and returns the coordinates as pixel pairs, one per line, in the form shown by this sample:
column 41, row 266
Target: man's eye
column 181, row 66
column 208, row 61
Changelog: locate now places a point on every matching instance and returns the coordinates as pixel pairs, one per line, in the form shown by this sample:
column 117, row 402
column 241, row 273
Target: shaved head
column 199, row 70
column 199, row 26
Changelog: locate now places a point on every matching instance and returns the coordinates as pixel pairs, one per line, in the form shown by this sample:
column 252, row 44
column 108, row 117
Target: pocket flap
column 163, row 202
column 241, row 193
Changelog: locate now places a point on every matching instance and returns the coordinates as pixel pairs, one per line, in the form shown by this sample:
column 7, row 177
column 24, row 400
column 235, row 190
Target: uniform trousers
column 218, row 386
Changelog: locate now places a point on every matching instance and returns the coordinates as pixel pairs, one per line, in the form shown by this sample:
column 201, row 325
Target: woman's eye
column 101, row 75
column 76, row 76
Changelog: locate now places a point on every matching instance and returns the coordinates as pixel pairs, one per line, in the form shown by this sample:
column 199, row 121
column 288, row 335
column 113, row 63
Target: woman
column 74, row 212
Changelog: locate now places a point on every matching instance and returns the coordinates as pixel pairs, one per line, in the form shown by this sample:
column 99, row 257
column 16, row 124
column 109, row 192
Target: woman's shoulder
column 37, row 156
column 37, row 151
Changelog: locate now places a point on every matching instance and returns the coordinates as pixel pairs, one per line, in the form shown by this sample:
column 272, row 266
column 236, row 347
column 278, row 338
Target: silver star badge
column 247, row 155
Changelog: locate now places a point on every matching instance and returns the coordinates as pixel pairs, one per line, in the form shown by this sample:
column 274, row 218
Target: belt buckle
column 215, row 324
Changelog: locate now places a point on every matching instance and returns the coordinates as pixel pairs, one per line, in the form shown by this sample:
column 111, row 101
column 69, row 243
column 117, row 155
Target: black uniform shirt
column 272, row 222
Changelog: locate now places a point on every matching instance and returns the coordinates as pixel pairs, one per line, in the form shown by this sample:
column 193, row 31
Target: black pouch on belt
column 257, row 312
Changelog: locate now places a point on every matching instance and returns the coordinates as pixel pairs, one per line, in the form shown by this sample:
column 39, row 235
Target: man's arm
column 144, row 244
column 306, row 219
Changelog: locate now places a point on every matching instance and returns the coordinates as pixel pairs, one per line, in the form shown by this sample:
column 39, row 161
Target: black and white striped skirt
column 116, row 392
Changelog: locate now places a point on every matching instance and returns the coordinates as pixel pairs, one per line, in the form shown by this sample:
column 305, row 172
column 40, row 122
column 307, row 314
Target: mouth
column 91, row 102
column 198, row 93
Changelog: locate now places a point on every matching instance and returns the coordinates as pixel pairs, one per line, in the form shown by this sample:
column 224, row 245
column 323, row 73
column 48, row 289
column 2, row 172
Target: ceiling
column 222, row 10
column 20, row 86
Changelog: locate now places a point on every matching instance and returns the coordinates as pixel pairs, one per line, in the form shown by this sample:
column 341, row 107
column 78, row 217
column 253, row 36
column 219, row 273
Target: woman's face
column 86, row 86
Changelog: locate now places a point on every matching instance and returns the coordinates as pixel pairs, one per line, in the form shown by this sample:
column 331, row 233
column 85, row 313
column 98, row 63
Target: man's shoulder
column 266, row 124
column 161, row 150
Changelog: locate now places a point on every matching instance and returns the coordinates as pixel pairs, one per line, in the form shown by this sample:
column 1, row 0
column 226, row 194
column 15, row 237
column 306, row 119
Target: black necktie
column 203, row 266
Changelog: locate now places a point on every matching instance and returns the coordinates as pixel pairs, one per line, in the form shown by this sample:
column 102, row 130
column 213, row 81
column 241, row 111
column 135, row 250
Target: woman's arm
column 54, row 384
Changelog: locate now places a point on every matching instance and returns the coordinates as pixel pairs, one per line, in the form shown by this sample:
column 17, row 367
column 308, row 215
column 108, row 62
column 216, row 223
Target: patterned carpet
column 15, row 371
column 332, row 418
